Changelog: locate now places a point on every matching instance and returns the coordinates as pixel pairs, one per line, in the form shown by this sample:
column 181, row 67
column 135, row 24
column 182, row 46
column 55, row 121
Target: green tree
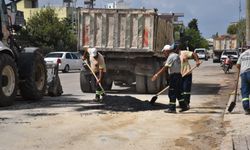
column 193, row 24
column 232, row 29
column 44, row 29
column 192, row 38
column 241, row 34
column 240, row 30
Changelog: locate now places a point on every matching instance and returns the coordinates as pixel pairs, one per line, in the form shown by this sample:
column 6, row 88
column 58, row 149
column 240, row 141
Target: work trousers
column 98, row 89
column 245, row 89
column 175, row 90
column 187, row 85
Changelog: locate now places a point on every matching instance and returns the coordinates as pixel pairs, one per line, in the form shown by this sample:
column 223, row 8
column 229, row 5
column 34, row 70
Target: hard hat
column 167, row 48
column 93, row 52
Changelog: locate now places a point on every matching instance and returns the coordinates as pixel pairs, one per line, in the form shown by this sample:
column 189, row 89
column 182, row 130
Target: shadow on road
column 205, row 89
column 110, row 103
column 124, row 103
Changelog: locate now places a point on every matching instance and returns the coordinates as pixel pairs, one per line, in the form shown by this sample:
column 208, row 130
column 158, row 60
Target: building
column 210, row 43
column 225, row 42
column 30, row 7
column 120, row 4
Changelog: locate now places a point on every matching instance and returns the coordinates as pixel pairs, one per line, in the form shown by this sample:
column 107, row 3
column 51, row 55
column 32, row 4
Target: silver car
column 202, row 53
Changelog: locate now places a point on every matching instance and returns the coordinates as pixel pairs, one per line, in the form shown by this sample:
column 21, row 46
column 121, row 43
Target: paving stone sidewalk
column 237, row 126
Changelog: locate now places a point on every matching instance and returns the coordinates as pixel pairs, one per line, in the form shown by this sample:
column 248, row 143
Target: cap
column 167, row 48
column 93, row 52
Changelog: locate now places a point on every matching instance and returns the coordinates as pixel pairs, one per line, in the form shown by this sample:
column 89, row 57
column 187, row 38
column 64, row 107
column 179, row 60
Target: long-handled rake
column 154, row 98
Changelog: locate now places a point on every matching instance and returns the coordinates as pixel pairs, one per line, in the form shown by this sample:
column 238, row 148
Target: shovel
column 233, row 103
column 95, row 76
column 154, row 98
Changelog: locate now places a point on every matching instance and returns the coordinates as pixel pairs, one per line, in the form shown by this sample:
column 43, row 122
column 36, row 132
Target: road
column 124, row 120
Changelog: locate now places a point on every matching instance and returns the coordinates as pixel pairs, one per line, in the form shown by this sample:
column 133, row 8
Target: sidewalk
column 237, row 127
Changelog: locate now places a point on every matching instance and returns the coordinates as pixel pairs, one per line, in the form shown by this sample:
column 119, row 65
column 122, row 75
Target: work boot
column 184, row 109
column 184, row 106
column 170, row 111
column 247, row 111
column 245, row 105
column 97, row 98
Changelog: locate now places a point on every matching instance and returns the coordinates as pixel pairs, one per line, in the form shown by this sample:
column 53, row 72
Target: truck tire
column 141, row 84
column 85, row 83
column 107, row 85
column 33, row 76
column 153, row 86
column 8, row 78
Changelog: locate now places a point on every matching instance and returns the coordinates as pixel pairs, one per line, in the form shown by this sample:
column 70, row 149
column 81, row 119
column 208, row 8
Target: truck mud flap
column 53, row 82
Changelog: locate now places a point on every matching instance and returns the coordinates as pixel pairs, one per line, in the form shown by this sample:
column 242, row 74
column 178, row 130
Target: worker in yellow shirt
column 185, row 55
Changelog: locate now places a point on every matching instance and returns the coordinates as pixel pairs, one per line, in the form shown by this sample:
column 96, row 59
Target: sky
column 213, row 15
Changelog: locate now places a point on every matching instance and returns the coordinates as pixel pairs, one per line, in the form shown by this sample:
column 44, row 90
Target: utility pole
column 248, row 23
column 239, row 32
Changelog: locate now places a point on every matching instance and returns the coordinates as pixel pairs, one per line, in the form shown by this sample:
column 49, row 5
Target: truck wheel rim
column 9, row 73
column 40, row 77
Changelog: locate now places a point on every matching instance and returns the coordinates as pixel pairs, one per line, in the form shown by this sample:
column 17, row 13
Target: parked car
column 202, row 53
column 216, row 58
column 233, row 53
column 67, row 60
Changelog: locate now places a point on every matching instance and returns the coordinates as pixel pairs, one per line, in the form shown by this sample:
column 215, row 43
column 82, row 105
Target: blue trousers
column 187, row 85
column 175, row 90
column 245, row 89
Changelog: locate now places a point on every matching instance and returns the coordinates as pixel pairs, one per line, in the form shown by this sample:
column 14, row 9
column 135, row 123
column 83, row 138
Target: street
column 125, row 120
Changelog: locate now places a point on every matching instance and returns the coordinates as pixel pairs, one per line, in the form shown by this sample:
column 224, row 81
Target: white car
column 233, row 53
column 202, row 53
column 66, row 60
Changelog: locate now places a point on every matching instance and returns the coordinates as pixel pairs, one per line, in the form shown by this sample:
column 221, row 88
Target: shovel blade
column 153, row 99
column 231, row 107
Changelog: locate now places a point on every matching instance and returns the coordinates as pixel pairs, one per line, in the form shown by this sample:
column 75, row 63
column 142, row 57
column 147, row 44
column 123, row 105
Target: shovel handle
column 190, row 70
column 236, row 86
column 94, row 75
column 162, row 91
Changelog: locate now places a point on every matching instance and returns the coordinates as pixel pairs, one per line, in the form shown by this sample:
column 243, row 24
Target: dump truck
column 21, row 69
column 131, row 41
column 221, row 43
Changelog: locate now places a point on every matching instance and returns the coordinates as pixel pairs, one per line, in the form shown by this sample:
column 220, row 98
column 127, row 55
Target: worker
column 173, row 65
column 185, row 55
column 98, row 66
column 243, row 64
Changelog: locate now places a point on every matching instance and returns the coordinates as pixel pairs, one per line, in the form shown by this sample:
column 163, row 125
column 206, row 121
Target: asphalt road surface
column 124, row 120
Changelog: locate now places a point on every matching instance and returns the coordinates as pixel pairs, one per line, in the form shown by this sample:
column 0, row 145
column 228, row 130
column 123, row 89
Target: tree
column 241, row 34
column 240, row 30
column 44, row 29
column 193, row 24
column 191, row 37
column 232, row 29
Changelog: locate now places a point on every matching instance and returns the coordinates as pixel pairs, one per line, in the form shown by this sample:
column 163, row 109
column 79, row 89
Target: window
column 34, row 4
column 54, row 55
column 74, row 56
column 68, row 56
